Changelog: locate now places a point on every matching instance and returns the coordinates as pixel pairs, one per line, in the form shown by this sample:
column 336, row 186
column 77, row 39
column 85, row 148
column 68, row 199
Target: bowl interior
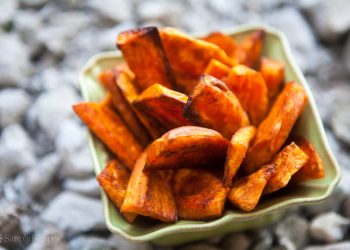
column 309, row 125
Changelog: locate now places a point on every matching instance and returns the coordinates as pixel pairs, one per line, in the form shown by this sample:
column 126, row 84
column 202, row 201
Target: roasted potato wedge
column 150, row 194
column 288, row 162
column 126, row 85
column 236, row 151
column 273, row 73
column 199, row 194
column 250, row 88
column 189, row 56
column 163, row 104
column 313, row 169
column 226, row 43
column 114, row 180
column 110, row 129
column 217, row 69
column 143, row 51
column 185, row 147
column 247, row 191
column 214, row 106
column 109, row 80
column 274, row 130
column 249, row 49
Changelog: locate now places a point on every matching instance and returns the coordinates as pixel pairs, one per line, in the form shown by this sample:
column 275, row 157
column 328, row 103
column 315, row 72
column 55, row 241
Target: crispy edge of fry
column 313, row 169
column 189, row 55
column 273, row 73
column 250, row 88
column 289, row 160
column 129, row 91
column 187, row 146
column 149, row 194
column 225, row 42
column 114, row 180
column 163, row 104
column 111, row 130
column 274, row 130
column 247, row 191
column 236, row 151
column 213, row 91
column 109, row 80
column 143, row 50
column 217, row 69
column 199, row 194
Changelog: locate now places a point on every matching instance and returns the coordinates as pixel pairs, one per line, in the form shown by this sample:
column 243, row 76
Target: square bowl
column 269, row 209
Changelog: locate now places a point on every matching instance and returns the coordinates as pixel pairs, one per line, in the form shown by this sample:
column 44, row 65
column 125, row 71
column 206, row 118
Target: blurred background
column 49, row 198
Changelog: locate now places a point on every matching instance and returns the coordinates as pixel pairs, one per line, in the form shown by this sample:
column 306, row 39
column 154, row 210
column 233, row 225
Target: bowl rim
column 227, row 218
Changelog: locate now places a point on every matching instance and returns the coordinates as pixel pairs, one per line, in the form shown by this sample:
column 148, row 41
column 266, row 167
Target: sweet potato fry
column 288, row 162
column 274, row 130
column 185, row 147
column 111, row 130
column 163, row 104
column 226, row 43
column 199, row 194
column 250, row 88
column 114, row 179
column 273, row 73
column 236, row 151
column 313, row 169
column 217, row 69
column 249, row 49
column 188, row 55
column 109, row 80
column 126, row 85
column 247, row 191
column 150, row 194
column 214, row 106
column 143, row 51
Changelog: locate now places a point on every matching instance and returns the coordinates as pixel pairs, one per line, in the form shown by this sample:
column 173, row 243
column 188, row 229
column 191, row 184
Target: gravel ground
column 48, row 196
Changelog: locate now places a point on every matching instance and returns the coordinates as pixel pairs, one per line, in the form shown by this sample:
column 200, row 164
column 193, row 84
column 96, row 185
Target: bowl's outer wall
column 269, row 210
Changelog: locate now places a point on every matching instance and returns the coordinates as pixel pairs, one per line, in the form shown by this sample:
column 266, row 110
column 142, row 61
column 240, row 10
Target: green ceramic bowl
column 270, row 208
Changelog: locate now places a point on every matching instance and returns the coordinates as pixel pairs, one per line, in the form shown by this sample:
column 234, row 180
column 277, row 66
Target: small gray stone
column 49, row 238
column 328, row 227
column 199, row 246
column 16, row 151
column 121, row 243
column 91, row 243
column 77, row 164
column 346, row 54
column 341, row 121
column 71, row 137
column 346, row 207
column 299, row 34
column 238, row 241
column 51, row 109
column 27, row 23
column 8, row 9
column 263, row 240
column 88, row 187
column 74, row 213
column 329, row 18
column 338, row 246
column 116, row 10
column 9, row 225
column 13, row 106
column 33, row 3
column 13, row 71
column 292, row 232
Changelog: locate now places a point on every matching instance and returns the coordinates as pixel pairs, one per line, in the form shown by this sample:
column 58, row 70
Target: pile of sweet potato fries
column 192, row 123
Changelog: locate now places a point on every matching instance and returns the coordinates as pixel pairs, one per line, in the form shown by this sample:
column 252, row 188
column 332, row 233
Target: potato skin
column 313, row 169
column 109, row 80
column 163, row 104
column 247, row 191
column 226, row 43
column 150, row 194
column 236, row 151
column 199, row 194
column 114, row 180
column 217, row 70
column 275, row 128
column 273, row 73
column 214, row 106
column 250, row 88
column 110, row 129
column 185, row 147
column 288, row 162
column 143, row 51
